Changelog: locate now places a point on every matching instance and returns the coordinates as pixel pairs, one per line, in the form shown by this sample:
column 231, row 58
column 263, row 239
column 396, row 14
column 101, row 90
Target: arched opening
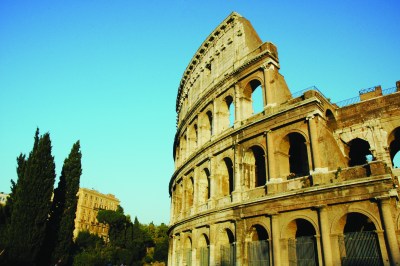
column 227, row 248
column 229, row 172
column 231, row 110
column 258, row 248
column 210, row 123
column 303, row 248
column 394, row 146
column 257, row 96
column 359, row 244
column 204, row 246
column 359, row 152
column 189, row 194
column 188, row 252
column 298, row 156
column 259, row 169
column 204, row 186
column 254, row 167
column 330, row 119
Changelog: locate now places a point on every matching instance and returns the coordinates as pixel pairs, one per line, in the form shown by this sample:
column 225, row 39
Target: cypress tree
column 61, row 224
column 31, row 205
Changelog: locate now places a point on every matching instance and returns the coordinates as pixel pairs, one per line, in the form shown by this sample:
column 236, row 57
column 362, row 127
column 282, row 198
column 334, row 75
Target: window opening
column 210, row 121
column 395, row 148
column 229, row 167
column 298, row 157
column 359, row 150
column 259, row 167
column 257, row 97
column 231, row 110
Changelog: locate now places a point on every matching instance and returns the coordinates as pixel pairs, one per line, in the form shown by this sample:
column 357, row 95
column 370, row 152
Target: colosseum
column 292, row 179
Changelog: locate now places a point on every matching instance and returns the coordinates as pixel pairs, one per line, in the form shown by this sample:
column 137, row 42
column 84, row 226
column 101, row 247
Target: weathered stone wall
column 301, row 167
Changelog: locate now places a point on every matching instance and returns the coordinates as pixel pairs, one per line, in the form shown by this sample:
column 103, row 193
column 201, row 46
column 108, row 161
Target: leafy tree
column 61, row 223
column 31, row 203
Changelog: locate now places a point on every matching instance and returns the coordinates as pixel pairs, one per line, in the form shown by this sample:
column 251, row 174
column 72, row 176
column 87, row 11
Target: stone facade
column 89, row 203
column 301, row 182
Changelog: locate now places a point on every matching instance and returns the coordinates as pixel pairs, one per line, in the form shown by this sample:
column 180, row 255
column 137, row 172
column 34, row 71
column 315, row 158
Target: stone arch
column 204, row 249
column 394, row 147
column 193, row 136
column 293, row 155
column 258, row 248
column 204, row 186
column 358, row 241
column 302, row 242
column 338, row 224
column 359, row 152
column 189, row 191
column 253, row 97
column 205, row 125
column 227, row 242
column 226, row 176
column 255, row 167
column 187, row 249
column 330, row 119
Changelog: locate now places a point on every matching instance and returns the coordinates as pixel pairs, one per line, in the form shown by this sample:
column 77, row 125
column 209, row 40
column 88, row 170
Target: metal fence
column 188, row 257
column 228, row 255
column 258, row 253
column 204, row 256
column 303, row 251
column 360, row 249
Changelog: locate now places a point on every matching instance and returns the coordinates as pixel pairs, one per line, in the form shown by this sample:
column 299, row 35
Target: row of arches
column 358, row 244
column 294, row 161
column 219, row 116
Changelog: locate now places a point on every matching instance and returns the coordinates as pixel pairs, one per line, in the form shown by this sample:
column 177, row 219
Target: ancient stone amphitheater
column 291, row 180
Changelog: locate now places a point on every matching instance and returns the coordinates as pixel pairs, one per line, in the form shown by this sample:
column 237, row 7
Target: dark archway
column 394, row 146
column 359, row 244
column 298, row 156
column 229, row 168
column 258, row 248
column 259, row 169
column 359, row 152
column 303, row 249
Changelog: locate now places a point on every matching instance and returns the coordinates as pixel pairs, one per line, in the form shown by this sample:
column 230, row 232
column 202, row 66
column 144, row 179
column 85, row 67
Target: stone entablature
column 299, row 169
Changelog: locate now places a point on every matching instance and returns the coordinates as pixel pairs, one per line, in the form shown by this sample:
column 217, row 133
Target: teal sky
column 107, row 73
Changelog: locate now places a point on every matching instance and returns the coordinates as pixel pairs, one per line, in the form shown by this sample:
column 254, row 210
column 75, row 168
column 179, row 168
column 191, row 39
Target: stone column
column 390, row 233
column 270, row 156
column 276, row 249
column 238, row 105
column 326, row 241
column 314, row 141
column 268, row 100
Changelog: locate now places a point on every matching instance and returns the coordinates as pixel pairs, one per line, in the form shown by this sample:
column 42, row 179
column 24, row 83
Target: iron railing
column 258, row 253
column 359, row 249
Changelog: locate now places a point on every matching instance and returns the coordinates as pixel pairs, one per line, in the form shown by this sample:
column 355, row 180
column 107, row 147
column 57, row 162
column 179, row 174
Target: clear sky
column 107, row 73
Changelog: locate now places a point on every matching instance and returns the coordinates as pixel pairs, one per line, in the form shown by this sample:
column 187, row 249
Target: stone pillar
column 314, row 141
column 276, row 249
column 270, row 156
column 390, row 233
column 238, row 105
column 326, row 240
column 195, row 189
column 268, row 99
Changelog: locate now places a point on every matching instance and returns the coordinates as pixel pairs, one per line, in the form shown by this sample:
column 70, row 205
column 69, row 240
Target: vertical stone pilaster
column 268, row 100
column 325, row 234
column 270, row 156
column 390, row 233
column 315, row 155
column 276, row 249
column 238, row 105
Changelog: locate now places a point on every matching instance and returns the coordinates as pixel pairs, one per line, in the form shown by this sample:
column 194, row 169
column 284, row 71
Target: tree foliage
column 31, row 203
column 61, row 223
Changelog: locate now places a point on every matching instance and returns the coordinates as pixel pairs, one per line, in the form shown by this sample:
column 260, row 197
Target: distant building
column 3, row 198
column 89, row 203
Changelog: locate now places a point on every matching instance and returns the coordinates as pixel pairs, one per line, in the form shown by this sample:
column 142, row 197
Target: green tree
column 31, row 203
column 61, row 223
